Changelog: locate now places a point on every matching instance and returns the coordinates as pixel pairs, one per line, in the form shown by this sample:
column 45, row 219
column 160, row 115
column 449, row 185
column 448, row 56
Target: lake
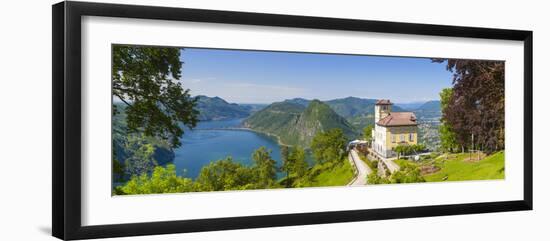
column 208, row 142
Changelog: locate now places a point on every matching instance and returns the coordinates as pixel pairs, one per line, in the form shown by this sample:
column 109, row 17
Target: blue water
column 203, row 145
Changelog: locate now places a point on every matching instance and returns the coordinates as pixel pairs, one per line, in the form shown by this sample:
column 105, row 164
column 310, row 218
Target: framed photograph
column 169, row 120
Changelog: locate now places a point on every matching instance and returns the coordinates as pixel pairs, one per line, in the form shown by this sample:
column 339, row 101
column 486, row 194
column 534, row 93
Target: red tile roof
column 398, row 119
column 384, row 102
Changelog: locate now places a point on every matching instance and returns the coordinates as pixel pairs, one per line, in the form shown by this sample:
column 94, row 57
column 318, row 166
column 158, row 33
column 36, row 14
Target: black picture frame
column 66, row 127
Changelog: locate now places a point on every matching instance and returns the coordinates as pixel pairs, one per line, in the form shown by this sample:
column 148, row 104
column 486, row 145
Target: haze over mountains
column 352, row 108
column 357, row 111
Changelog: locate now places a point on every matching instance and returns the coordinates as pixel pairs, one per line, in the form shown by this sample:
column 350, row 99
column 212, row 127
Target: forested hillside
column 295, row 124
column 216, row 108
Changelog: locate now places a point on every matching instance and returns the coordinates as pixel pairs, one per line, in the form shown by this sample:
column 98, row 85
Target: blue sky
column 265, row 77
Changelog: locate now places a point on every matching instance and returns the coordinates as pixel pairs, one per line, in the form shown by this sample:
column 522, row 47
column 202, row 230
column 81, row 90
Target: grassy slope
column 491, row 167
column 338, row 175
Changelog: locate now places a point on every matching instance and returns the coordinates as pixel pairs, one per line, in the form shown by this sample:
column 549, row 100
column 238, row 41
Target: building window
column 411, row 137
column 392, row 138
column 402, row 137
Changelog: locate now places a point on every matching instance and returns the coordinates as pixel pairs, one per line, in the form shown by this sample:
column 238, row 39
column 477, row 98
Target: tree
column 476, row 106
column 146, row 80
column 117, row 168
column 300, row 165
column 225, row 174
column 329, row 146
column 118, row 171
column 375, row 179
column 447, row 137
column 287, row 164
column 266, row 170
column 140, row 156
column 408, row 173
column 400, row 149
column 409, row 149
column 161, row 180
column 294, row 164
column 446, row 134
column 367, row 132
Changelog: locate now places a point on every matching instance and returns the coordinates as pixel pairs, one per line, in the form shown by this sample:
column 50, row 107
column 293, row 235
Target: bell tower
column 382, row 109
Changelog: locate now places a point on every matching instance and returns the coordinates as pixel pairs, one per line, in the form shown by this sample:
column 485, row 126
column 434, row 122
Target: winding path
column 389, row 162
column 361, row 167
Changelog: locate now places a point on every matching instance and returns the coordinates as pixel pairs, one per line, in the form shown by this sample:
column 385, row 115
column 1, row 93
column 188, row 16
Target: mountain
column 432, row 105
column 216, row 108
column 358, row 111
column 319, row 116
column 275, row 118
column 352, row 106
column 295, row 124
column 254, row 107
column 300, row 101
column 410, row 105
column 429, row 110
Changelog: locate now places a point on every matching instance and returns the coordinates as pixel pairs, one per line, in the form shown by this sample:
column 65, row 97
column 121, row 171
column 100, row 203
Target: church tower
column 382, row 109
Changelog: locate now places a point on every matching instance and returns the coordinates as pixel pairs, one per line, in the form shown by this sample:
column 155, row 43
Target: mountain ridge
column 298, row 125
column 216, row 108
column 429, row 110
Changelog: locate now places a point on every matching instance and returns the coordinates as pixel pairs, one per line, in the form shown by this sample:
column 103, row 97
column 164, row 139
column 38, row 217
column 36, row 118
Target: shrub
column 408, row 173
